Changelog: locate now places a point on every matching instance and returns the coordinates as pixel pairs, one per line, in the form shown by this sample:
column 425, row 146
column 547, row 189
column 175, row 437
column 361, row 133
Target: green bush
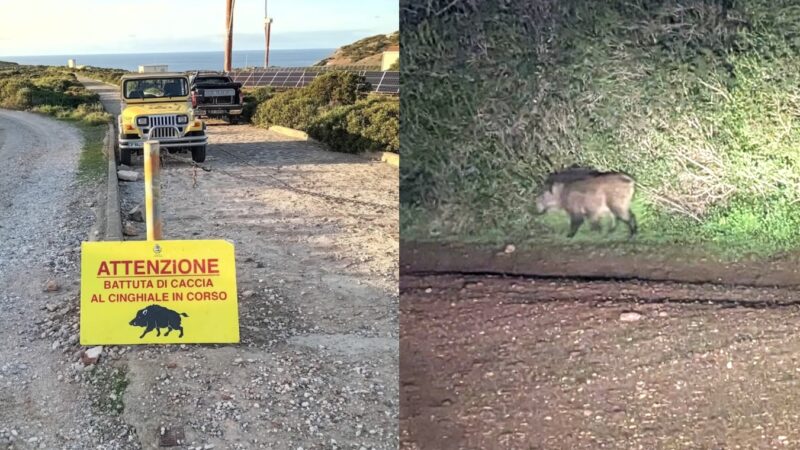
column 329, row 109
column 50, row 90
column 253, row 98
column 336, row 88
column 111, row 76
column 90, row 114
column 15, row 93
column 369, row 125
column 298, row 108
column 290, row 109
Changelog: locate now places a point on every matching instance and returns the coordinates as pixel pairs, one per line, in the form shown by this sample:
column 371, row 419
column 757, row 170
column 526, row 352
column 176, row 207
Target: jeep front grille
column 164, row 132
column 163, row 126
column 157, row 121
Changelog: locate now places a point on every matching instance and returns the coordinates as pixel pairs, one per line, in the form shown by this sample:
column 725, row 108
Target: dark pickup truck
column 217, row 96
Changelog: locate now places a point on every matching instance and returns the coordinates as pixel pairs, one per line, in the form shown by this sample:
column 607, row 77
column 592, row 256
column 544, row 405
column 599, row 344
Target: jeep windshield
column 155, row 88
column 217, row 80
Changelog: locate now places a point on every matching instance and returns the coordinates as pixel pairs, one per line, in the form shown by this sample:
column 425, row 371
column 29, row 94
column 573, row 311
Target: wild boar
column 589, row 194
column 156, row 317
column 570, row 174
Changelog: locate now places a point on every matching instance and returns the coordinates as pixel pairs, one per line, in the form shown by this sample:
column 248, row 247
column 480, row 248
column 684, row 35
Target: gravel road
column 316, row 237
column 45, row 216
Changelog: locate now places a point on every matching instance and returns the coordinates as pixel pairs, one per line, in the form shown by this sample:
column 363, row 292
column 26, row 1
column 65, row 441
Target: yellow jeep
column 157, row 106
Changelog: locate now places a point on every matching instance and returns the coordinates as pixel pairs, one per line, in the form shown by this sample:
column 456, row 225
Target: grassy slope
column 56, row 92
column 698, row 103
column 367, row 51
column 111, row 76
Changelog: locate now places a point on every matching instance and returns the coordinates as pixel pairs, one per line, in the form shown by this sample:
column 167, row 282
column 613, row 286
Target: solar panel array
column 294, row 77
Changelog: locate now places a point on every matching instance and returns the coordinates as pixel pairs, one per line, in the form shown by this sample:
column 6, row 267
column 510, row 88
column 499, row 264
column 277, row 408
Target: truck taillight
column 241, row 97
column 194, row 99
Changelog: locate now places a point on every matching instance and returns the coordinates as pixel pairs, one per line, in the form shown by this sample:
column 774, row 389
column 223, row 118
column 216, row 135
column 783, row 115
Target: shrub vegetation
column 111, row 76
column 335, row 109
column 56, row 91
column 253, row 98
column 698, row 99
column 368, row 125
column 363, row 48
column 50, row 90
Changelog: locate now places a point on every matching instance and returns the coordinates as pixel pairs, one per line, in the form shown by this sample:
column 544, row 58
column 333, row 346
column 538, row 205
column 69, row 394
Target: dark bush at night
column 698, row 100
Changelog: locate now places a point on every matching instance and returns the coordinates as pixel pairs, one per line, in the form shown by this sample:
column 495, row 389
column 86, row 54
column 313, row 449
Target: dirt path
column 512, row 363
column 674, row 264
column 45, row 216
column 317, row 264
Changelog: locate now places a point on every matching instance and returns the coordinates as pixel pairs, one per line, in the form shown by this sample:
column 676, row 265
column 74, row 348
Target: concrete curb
column 113, row 216
column 393, row 159
column 290, row 132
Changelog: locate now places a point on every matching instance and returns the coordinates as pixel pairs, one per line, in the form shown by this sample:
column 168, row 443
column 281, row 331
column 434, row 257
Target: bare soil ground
column 669, row 264
column 532, row 363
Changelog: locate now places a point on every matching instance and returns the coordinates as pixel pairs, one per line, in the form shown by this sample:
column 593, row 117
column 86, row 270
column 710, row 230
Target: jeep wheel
column 125, row 156
column 199, row 153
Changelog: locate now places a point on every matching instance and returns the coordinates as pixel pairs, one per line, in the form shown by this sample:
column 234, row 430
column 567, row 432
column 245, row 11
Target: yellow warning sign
column 158, row 292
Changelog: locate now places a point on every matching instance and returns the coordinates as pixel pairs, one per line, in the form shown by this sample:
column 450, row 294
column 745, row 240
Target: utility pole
column 229, row 34
column 267, row 31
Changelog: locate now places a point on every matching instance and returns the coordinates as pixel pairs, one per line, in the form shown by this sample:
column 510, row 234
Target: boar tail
column 184, row 315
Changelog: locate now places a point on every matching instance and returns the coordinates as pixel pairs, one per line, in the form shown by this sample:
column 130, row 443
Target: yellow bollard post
column 152, row 190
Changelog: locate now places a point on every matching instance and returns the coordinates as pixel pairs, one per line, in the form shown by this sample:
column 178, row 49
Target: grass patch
column 92, row 165
column 698, row 100
column 108, row 386
column 730, row 233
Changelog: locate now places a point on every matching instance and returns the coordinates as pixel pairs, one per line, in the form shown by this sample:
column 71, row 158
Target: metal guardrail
column 293, row 77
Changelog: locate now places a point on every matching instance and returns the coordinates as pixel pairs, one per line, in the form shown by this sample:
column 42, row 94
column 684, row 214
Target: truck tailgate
column 219, row 92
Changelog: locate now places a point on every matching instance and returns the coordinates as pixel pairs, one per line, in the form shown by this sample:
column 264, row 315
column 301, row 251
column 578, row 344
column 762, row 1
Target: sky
column 76, row 27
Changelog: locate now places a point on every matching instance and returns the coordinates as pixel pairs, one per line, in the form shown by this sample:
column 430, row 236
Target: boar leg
column 575, row 222
column 168, row 330
column 632, row 225
column 629, row 219
column 147, row 330
column 595, row 221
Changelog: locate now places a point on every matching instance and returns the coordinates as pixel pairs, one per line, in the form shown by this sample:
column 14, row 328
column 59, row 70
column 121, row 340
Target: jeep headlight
column 141, row 121
column 183, row 120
